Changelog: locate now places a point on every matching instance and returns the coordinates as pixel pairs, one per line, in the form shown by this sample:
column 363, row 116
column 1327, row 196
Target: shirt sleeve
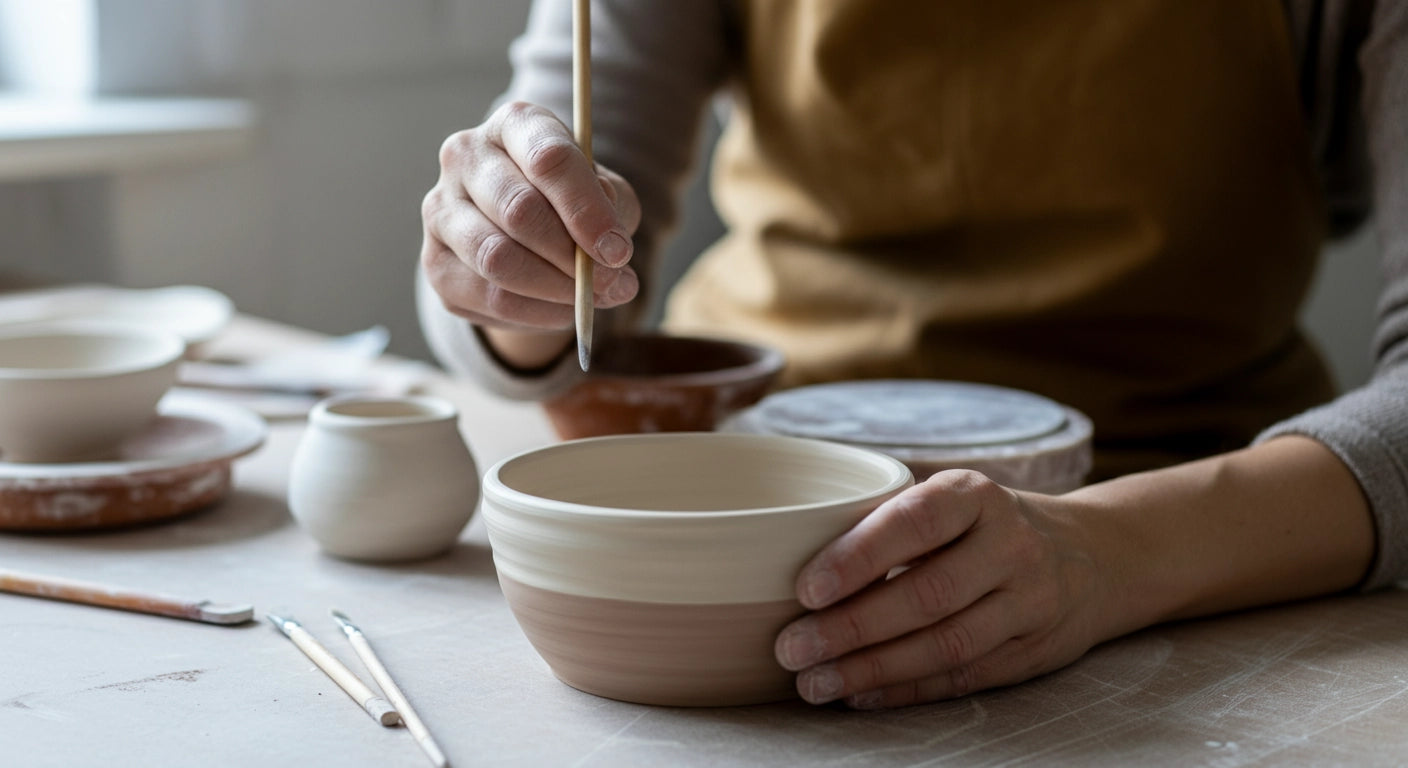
column 1368, row 427
column 654, row 67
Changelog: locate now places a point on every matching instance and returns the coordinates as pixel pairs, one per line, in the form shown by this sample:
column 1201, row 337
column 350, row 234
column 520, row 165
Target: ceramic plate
column 193, row 312
column 178, row 464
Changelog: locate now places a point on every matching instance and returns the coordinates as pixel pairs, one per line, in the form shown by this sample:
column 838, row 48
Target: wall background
column 318, row 223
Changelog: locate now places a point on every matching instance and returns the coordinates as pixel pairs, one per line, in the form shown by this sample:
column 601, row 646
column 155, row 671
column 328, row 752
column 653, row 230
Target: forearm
column 1279, row 521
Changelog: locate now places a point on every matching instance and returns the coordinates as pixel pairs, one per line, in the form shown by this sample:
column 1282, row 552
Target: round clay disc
column 916, row 413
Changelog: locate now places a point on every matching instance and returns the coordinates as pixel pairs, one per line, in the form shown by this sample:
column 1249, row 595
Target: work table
column 1321, row 682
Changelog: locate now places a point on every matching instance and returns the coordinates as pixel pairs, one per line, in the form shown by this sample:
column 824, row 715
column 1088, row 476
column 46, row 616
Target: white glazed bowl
column 73, row 391
column 659, row 568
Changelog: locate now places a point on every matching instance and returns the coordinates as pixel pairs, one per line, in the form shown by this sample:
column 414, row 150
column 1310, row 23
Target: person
column 1115, row 205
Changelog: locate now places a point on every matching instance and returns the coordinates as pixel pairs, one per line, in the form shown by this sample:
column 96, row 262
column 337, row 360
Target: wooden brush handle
column 87, row 593
column 583, row 304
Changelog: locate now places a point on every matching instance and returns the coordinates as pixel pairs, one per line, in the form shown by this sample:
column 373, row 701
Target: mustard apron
column 1108, row 202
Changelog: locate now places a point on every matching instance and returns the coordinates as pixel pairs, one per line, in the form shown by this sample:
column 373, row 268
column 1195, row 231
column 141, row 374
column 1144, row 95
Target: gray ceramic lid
column 916, row 413
column 1017, row 438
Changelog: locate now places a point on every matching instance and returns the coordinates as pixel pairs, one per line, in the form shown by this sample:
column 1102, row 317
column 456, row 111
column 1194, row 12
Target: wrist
column 1280, row 521
column 526, row 351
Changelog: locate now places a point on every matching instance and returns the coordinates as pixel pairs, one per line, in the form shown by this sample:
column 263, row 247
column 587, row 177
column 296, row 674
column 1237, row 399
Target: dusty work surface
column 1311, row 684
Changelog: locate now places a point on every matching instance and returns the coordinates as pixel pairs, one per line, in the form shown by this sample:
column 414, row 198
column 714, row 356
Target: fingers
column 909, row 526
column 560, row 188
column 467, row 294
column 488, row 252
column 1012, row 662
column 932, row 591
column 988, row 571
column 950, row 646
column 515, row 198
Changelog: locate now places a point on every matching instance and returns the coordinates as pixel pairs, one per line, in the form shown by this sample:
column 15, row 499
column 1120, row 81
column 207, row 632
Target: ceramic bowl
column 662, row 383
column 73, row 391
column 659, row 569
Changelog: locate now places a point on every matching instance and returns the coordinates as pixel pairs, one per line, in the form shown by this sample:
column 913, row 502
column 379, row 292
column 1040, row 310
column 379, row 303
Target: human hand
column 999, row 588
column 515, row 195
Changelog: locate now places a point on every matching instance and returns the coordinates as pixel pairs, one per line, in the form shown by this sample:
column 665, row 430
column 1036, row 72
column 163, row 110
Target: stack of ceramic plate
column 1018, row 439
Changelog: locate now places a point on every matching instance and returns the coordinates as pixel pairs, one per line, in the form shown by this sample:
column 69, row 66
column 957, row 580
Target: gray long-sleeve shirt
column 655, row 71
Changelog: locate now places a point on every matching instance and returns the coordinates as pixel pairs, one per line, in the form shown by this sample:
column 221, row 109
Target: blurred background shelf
column 42, row 138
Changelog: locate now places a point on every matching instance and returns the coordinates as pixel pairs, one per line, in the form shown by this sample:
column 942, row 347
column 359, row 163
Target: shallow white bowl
column 71, row 391
column 659, row 568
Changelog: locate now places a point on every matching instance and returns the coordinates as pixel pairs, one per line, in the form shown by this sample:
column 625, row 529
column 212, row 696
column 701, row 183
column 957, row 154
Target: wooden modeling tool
column 392, row 691
column 376, row 706
column 124, row 599
column 582, row 129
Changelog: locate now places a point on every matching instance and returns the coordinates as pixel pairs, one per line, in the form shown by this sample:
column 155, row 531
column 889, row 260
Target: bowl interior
column 76, row 353
column 661, row 355
column 699, row 473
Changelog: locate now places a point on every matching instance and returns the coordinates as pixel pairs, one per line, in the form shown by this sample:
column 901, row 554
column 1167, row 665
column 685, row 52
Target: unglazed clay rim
column 500, row 493
column 162, row 348
column 435, row 409
column 769, row 362
column 245, row 432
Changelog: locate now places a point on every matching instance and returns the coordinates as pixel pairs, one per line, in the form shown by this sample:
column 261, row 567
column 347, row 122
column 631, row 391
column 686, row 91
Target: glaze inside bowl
column 661, row 383
column 659, row 568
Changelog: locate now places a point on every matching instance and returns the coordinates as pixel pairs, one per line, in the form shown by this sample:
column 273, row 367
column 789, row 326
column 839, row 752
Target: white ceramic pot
column 660, row 568
column 383, row 478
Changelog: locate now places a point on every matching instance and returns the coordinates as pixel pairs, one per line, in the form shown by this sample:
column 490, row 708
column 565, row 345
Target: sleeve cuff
column 1368, row 430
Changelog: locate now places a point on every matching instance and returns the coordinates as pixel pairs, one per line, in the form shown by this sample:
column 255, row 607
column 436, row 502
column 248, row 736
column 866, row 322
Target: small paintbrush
column 391, row 689
column 582, row 130
column 380, row 710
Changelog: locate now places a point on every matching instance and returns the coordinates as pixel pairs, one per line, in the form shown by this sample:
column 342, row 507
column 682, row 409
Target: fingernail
column 821, row 588
column 623, row 288
column 801, row 646
column 867, row 700
column 613, row 249
column 819, row 685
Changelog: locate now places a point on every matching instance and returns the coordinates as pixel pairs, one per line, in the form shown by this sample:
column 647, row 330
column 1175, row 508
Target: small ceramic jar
column 383, row 478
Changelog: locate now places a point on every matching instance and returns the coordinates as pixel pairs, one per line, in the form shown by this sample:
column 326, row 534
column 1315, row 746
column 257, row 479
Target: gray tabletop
column 1317, row 683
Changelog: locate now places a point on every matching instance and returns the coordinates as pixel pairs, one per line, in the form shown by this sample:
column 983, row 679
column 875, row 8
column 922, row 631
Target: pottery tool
column 392, row 691
column 376, row 706
column 125, row 599
column 582, row 129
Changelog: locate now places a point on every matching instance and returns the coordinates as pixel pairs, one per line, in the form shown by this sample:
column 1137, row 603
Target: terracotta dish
column 72, row 391
column 661, row 383
column 178, row 464
column 659, row 568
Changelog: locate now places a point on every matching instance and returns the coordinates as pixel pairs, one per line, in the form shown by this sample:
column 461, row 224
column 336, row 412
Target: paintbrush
column 391, row 689
column 124, row 599
column 376, row 706
column 582, row 130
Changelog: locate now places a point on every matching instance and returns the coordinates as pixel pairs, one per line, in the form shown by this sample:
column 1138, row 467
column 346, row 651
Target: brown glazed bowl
column 659, row 569
column 662, row 383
